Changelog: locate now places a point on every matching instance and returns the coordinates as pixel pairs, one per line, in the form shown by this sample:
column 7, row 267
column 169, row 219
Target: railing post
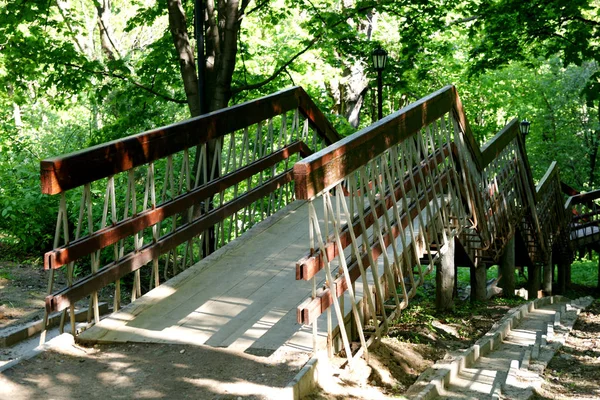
column 478, row 283
column 507, row 268
column 444, row 278
column 561, row 279
column 547, row 278
column 533, row 272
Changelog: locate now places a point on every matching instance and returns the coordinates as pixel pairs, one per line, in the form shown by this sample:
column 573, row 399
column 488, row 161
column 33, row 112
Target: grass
column 585, row 271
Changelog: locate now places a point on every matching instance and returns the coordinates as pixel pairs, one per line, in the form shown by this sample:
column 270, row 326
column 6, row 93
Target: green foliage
column 585, row 271
column 508, row 58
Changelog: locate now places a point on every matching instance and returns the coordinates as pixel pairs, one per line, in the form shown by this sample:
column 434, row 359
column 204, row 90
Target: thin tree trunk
column 108, row 47
column 179, row 33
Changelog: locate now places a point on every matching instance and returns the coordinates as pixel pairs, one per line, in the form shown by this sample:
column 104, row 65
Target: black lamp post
column 525, row 128
column 379, row 60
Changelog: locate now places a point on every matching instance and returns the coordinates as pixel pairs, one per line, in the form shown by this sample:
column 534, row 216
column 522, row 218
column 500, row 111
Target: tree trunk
column 179, row 33
column 354, row 83
column 103, row 8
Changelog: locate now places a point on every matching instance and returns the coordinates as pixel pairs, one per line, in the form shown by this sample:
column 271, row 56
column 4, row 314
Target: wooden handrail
column 135, row 260
column 545, row 182
column 78, row 168
column 585, row 197
column 332, row 164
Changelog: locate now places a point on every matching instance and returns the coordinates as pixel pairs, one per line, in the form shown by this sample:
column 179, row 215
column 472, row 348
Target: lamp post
column 524, row 127
column 379, row 60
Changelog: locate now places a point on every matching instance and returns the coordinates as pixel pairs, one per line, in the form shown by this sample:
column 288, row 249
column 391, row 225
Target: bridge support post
column 533, row 272
column 547, row 277
column 561, row 279
column 507, row 269
column 478, row 283
column 444, row 278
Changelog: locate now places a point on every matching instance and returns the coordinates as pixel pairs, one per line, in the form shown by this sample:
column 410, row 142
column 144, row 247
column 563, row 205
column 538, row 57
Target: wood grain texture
column 61, row 173
column 329, row 166
column 311, row 309
column 311, row 264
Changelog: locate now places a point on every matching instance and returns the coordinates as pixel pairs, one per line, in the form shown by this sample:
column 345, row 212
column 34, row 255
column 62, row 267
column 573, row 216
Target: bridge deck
column 243, row 297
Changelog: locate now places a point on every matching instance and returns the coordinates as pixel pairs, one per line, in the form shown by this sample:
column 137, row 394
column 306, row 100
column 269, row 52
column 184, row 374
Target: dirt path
column 145, row 371
column 574, row 372
column 23, row 288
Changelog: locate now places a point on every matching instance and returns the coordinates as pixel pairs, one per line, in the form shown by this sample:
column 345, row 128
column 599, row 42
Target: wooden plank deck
column 243, row 297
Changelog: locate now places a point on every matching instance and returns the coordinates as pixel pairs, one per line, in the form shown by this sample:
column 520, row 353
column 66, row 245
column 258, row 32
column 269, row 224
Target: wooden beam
column 493, row 147
column 310, row 309
column 329, row 166
column 311, row 264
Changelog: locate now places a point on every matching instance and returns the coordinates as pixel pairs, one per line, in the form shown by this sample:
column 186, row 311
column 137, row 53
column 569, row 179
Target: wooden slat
column 311, row 264
column 493, row 147
column 75, row 169
column 309, row 310
column 64, row 298
column 112, row 234
column 461, row 118
column 544, row 184
column 329, row 166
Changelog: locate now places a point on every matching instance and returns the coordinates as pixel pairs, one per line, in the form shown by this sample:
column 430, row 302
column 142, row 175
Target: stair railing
column 151, row 198
column 393, row 195
column 584, row 224
column 390, row 196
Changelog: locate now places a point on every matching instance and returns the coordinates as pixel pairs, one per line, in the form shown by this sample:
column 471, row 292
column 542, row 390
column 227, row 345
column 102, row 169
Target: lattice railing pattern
column 166, row 198
column 386, row 220
column 499, row 194
column 584, row 224
column 550, row 211
column 394, row 195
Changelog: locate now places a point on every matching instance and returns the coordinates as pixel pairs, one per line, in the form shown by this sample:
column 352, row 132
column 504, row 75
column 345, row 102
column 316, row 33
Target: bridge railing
column 393, row 196
column 584, row 224
column 390, row 199
column 550, row 209
column 156, row 197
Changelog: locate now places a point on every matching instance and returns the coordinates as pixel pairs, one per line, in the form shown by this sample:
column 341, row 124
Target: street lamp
column 379, row 60
column 525, row 128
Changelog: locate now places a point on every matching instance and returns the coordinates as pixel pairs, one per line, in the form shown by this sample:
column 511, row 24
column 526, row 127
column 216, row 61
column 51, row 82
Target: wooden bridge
column 304, row 223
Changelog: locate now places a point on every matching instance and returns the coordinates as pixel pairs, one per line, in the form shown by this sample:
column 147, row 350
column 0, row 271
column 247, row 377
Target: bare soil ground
column 23, row 287
column 147, row 371
column 414, row 343
column 574, row 372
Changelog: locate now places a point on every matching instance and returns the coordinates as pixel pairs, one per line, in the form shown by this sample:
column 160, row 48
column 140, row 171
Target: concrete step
column 508, row 360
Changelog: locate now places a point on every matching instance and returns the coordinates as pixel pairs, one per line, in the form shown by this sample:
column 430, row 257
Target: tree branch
column 256, row 8
column 310, row 44
column 128, row 80
column 278, row 70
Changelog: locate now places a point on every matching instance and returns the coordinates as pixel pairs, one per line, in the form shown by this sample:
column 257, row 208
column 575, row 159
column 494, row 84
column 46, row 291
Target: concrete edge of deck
column 12, row 335
column 433, row 381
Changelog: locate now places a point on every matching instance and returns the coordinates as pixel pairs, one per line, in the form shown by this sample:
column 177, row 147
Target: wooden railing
column 151, row 199
column 394, row 195
column 584, row 224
